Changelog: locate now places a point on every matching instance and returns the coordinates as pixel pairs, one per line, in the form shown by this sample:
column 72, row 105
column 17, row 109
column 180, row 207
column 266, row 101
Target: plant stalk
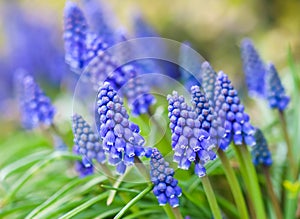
column 211, row 197
column 234, row 185
column 271, row 192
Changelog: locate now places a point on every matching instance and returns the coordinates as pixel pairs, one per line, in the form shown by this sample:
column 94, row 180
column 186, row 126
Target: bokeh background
column 31, row 37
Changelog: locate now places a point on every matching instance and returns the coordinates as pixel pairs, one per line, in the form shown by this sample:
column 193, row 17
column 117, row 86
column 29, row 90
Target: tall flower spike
column 36, row 108
column 121, row 138
column 260, row 152
column 83, row 168
column 207, row 116
column 137, row 92
column 254, row 69
column 75, row 31
column 191, row 62
column 165, row 188
column 231, row 113
column 190, row 142
column 209, row 77
column 275, row 91
column 89, row 145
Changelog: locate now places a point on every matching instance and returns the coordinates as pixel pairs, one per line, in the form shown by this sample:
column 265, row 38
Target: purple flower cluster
column 75, row 31
column 190, row 142
column 162, row 176
column 275, row 91
column 137, row 92
column 260, row 152
column 207, row 116
column 254, row 69
column 121, row 138
column 231, row 113
column 209, row 77
column 36, row 108
column 88, row 143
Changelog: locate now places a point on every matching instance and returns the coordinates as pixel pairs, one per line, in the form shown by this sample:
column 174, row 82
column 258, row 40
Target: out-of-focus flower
column 137, row 92
column 231, row 113
column 121, row 138
column 36, row 108
column 275, row 91
column 75, row 31
column 101, row 20
column 83, row 168
column 260, row 152
column 88, row 142
column 187, row 59
column 254, row 69
column 190, row 142
column 207, row 116
column 162, row 176
column 209, row 77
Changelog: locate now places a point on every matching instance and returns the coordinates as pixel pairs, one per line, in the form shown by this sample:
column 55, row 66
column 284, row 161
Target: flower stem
column 290, row 157
column 234, row 185
column 211, row 197
column 271, row 192
column 253, row 182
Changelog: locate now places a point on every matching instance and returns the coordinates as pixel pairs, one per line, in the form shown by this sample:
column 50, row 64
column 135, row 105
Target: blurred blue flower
column 209, row 77
column 162, row 176
column 83, row 168
column 101, row 20
column 276, row 95
column 254, row 69
column 75, row 31
column 193, row 75
column 260, row 152
column 231, row 113
column 121, row 138
column 89, row 145
column 190, row 142
column 36, row 108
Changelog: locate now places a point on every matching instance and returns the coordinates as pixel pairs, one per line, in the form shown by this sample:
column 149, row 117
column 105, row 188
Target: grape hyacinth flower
column 207, row 116
column 190, row 142
column 89, row 145
column 162, row 176
column 83, row 168
column 36, row 108
column 75, row 31
column 260, row 152
column 231, row 113
column 254, row 69
column 137, row 92
column 275, row 91
column 209, row 77
column 121, row 138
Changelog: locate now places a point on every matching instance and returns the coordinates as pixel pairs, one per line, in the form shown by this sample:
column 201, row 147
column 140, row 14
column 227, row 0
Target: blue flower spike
column 36, row 108
column 190, row 142
column 231, row 113
column 260, row 152
column 121, row 138
column 162, row 176
column 83, row 168
column 254, row 69
column 75, row 32
column 276, row 95
column 89, row 144
column 209, row 77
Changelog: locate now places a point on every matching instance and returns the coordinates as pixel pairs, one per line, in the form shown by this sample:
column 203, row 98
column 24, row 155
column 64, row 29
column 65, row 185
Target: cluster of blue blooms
column 260, row 152
column 261, row 79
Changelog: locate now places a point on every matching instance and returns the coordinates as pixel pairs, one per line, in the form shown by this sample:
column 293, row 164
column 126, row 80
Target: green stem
column 234, row 185
column 253, row 183
column 290, row 157
column 211, row 198
column 133, row 201
column 271, row 192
